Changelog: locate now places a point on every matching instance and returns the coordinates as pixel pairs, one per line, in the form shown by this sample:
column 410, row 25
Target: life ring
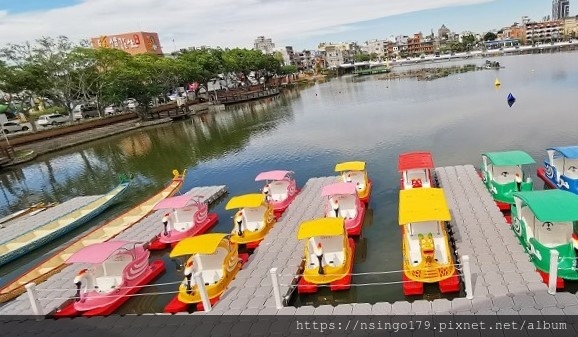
column 415, row 183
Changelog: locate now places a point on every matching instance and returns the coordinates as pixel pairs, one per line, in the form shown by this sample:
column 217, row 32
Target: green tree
column 362, row 57
column 489, row 36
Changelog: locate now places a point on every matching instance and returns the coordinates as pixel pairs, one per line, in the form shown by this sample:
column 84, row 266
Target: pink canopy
column 272, row 175
column 339, row 188
column 97, row 253
column 174, row 202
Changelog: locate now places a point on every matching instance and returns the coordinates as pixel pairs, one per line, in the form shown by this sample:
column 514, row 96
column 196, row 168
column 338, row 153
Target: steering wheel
column 548, row 225
column 572, row 168
column 505, row 174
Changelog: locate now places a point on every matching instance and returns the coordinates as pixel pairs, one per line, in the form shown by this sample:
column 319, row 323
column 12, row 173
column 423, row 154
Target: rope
column 119, row 295
column 351, row 284
column 371, row 272
column 125, row 287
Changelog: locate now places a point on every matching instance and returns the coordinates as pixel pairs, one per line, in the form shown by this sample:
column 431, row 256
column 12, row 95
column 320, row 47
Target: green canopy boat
column 545, row 221
column 503, row 174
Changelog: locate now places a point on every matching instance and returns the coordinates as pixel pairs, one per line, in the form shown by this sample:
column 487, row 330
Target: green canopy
column 509, row 158
column 3, row 108
column 551, row 205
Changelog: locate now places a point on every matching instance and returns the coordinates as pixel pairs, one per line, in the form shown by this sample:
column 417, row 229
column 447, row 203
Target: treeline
column 66, row 73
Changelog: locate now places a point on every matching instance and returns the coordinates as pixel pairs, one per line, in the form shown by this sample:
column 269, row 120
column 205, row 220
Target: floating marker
column 497, row 82
column 511, row 99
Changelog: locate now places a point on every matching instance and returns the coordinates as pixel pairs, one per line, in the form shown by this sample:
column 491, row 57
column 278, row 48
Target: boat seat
column 348, row 213
column 253, row 226
column 105, row 283
column 558, row 234
column 333, row 254
column 211, row 276
column 278, row 190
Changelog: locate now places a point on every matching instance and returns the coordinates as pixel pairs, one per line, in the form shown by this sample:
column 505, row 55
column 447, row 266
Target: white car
column 9, row 127
column 52, row 119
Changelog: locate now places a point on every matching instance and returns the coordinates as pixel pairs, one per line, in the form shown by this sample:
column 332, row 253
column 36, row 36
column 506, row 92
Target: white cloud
column 226, row 23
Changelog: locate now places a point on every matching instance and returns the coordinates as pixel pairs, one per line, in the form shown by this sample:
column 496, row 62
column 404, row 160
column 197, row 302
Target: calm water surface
column 308, row 131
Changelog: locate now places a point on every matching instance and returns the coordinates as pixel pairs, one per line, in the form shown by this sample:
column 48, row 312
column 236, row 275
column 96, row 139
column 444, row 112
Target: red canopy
column 415, row 160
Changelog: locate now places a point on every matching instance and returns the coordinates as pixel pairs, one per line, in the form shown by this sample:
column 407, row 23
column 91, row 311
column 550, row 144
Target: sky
column 302, row 24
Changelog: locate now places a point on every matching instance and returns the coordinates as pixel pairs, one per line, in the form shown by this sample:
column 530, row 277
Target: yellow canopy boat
column 354, row 172
column 253, row 220
column 427, row 257
column 328, row 255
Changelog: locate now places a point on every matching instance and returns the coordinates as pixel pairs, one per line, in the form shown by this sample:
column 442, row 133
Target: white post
column 34, row 302
column 467, row 276
column 202, row 291
column 553, row 275
column 276, row 291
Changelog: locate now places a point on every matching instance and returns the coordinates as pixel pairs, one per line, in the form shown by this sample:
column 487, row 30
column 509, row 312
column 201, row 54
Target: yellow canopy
column 350, row 166
column 321, row 227
column 247, row 200
column 200, row 244
column 422, row 204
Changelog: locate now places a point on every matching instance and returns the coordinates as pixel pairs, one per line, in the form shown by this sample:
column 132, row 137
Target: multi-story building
column 546, row 31
column 444, row 34
column 515, row 32
column 338, row 54
column 378, row 47
column 560, row 9
column 265, row 45
column 417, row 45
column 132, row 43
column 571, row 27
column 304, row 60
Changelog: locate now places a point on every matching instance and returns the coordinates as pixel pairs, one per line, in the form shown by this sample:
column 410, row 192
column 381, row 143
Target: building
column 515, row 32
column 378, row 48
column 265, row 45
column 571, row 27
column 132, row 43
column 560, row 9
column 338, row 53
column 417, row 45
column 546, row 31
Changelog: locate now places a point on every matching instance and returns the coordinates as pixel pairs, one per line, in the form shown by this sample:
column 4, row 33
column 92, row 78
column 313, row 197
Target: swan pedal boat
column 328, row 255
column 342, row 201
column 545, row 221
column 253, row 220
column 354, row 172
column 280, row 189
column 416, row 170
column 185, row 216
column 427, row 257
column 499, row 172
column 561, row 168
column 216, row 257
column 120, row 269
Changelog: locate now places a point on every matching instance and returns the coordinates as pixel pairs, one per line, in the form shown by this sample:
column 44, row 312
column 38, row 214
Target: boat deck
column 27, row 223
column 143, row 230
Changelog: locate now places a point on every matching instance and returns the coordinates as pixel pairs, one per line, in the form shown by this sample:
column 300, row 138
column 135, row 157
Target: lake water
column 310, row 129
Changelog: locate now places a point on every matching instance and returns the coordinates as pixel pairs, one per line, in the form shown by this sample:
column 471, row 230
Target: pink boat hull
column 162, row 242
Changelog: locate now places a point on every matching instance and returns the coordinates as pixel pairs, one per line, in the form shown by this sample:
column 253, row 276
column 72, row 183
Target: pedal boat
column 185, row 216
column 216, row 257
column 561, row 168
column 427, row 257
column 253, row 219
column 354, row 172
column 499, row 173
column 120, row 269
column 328, row 255
column 545, row 221
column 280, row 189
column 342, row 201
column 416, row 170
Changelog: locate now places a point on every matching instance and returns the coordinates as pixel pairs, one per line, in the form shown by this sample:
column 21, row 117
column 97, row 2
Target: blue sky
column 232, row 23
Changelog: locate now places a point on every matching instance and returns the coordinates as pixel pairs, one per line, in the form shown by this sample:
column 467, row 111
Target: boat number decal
column 549, row 172
column 517, row 227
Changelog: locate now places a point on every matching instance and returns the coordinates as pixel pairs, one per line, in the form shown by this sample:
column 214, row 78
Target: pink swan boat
column 280, row 189
column 343, row 202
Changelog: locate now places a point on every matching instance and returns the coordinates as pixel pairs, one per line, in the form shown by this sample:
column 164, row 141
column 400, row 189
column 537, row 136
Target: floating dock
column 504, row 281
column 49, row 291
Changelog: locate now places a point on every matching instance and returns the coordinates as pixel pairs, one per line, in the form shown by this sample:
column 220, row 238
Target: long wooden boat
column 32, row 239
column 32, row 210
column 56, row 263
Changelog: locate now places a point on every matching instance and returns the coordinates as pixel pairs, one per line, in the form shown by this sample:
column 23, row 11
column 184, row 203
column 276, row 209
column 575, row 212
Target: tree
column 361, row 57
column 489, row 36
column 287, row 70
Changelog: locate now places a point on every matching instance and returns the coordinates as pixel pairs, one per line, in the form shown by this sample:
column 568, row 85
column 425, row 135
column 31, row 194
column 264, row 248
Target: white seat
column 106, row 283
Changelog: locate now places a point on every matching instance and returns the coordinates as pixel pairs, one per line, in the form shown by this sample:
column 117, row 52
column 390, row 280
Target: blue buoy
column 511, row 100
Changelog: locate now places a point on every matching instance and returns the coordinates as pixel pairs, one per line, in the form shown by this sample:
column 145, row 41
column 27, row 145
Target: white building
column 265, row 45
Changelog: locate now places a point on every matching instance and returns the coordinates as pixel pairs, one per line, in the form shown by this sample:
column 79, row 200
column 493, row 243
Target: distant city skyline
column 236, row 23
column 560, row 9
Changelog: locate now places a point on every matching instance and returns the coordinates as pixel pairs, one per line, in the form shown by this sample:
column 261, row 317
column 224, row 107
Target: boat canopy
column 422, row 204
column 509, row 158
column 570, row 152
column 205, row 244
column 321, row 227
column 551, row 205
column 98, row 252
column 350, row 166
column 247, row 200
column 415, row 160
column 339, row 188
column 175, row 202
column 272, row 175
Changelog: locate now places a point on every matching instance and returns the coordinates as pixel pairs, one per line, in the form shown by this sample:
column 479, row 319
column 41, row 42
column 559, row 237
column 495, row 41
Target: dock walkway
column 143, row 231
